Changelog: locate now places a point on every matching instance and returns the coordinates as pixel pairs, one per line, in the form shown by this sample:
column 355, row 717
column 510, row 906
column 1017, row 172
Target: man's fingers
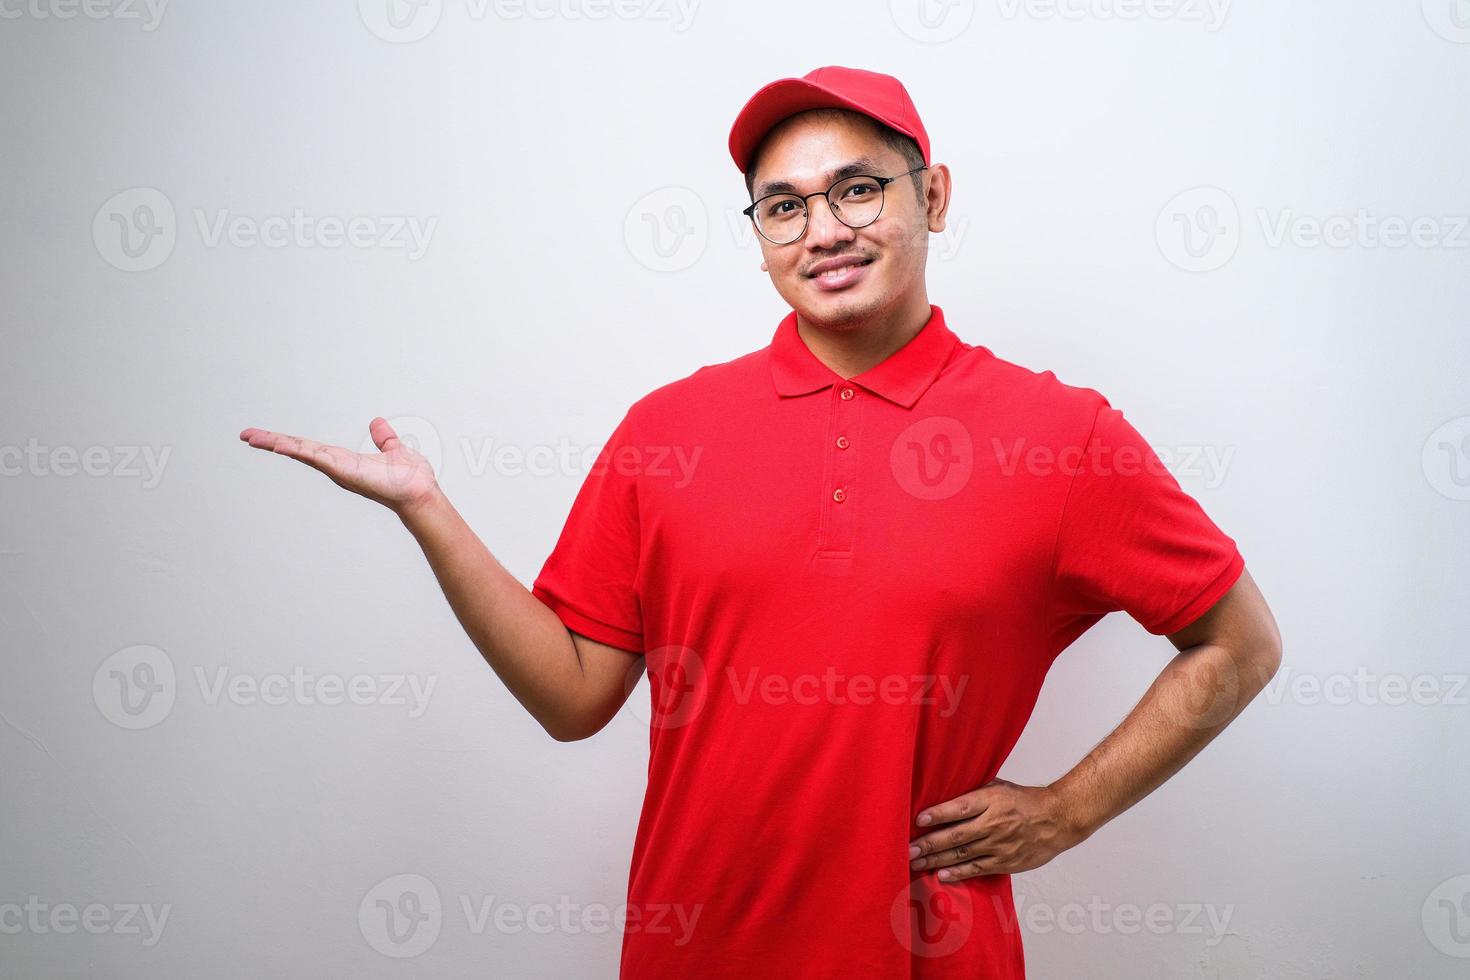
column 950, row 838
column 942, row 857
column 277, row 442
column 383, row 435
column 264, row 438
column 984, row 865
column 253, row 436
column 326, row 458
column 964, row 807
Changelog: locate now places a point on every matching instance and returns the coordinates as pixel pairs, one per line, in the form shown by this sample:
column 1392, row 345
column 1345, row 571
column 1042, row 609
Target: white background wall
column 1324, row 388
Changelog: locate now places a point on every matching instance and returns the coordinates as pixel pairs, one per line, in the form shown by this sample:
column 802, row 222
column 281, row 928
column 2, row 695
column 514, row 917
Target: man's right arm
column 571, row 685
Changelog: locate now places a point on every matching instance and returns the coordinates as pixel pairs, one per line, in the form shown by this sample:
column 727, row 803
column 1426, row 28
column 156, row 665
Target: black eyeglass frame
column 883, row 183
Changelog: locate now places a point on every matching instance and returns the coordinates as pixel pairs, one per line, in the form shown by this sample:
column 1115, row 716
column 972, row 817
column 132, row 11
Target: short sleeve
column 1131, row 539
column 590, row 580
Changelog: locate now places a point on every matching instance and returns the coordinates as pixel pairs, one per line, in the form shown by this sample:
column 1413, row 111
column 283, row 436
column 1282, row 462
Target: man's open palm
column 397, row 477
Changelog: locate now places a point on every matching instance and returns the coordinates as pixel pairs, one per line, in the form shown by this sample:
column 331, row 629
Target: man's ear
column 764, row 267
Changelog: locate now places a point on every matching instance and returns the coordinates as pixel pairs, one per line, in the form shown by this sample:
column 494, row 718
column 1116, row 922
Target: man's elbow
column 564, row 730
column 1263, row 657
column 574, row 726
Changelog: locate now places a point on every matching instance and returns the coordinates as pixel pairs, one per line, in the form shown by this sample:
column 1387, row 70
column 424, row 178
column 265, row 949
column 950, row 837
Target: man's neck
column 854, row 348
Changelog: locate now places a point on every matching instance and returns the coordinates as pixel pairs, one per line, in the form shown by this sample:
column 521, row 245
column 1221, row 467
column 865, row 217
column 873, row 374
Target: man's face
column 876, row 265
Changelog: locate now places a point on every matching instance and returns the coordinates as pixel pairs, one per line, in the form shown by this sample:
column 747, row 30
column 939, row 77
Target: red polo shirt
column 848, row 592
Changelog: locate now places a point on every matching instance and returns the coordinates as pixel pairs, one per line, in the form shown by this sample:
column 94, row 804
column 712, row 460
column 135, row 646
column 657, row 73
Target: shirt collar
column 901, row 378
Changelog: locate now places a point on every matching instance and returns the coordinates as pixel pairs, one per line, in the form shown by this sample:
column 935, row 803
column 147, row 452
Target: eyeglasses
column 856, row 201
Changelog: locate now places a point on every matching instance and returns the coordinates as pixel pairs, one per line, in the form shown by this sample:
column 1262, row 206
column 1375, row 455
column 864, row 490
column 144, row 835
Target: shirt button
column 842, row 442
column 840, row 494
column 847, row 394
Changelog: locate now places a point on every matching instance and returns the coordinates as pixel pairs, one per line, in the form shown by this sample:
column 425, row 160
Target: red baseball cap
column 874, row 94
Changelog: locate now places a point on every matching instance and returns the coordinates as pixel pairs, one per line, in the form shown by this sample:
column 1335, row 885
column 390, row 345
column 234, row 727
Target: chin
column 839, row 308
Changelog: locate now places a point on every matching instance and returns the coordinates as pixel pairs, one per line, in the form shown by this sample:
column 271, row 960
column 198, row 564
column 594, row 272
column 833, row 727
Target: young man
column 848, row 593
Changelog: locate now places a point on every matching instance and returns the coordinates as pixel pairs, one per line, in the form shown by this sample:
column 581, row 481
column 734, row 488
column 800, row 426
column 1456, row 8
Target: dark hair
column 892, row 138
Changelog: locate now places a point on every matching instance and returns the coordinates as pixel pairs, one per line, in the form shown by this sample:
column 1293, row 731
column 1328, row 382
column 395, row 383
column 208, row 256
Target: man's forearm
column 524, row 642
column 1201, row 691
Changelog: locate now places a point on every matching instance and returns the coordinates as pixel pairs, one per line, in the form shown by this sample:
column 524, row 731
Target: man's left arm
column 1226, row 657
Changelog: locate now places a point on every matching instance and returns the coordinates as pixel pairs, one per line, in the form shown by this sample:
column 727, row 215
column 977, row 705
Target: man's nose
column 823, row 230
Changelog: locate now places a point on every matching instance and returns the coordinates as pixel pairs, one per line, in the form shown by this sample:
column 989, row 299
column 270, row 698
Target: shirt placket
column 840, row 493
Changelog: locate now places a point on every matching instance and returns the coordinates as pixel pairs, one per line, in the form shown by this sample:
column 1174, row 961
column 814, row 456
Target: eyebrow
column 862, row 165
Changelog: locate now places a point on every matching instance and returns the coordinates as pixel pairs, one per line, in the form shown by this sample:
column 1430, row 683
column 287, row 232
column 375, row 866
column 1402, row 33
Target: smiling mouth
column 841, row 270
